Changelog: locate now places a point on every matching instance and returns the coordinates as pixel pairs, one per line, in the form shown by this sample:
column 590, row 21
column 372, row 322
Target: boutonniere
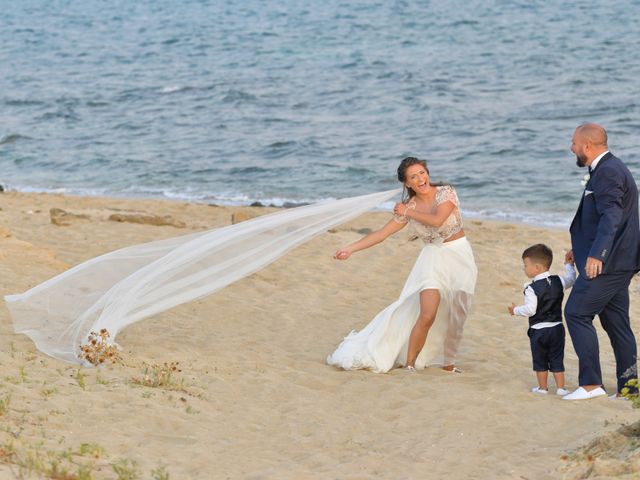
column 585, row 180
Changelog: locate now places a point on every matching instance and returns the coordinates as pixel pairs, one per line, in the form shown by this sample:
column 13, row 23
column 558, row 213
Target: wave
column 175, row 89
column 18, row 102
column 238, row 97
column 12, row 138
column 543, row 219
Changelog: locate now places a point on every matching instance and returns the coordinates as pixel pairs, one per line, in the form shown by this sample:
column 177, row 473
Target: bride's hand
column 400, row 209
column 342, row 254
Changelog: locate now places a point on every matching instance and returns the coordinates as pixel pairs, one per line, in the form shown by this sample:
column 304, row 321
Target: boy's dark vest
column 550, row 294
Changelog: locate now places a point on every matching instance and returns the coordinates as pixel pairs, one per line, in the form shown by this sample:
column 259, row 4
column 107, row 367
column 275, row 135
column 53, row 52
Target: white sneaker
column 562, row 392
column 582, row 394
column 539, row 390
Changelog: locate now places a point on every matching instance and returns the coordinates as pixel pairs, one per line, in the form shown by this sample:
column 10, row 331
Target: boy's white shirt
column 531, row 301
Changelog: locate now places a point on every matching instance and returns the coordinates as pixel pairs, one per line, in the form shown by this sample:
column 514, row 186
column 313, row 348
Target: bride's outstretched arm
column 370, row 239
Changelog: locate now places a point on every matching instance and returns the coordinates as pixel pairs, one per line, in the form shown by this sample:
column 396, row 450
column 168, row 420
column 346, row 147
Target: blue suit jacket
column 607, row 225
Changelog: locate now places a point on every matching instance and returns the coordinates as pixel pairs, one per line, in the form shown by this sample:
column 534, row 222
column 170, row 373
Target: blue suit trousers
column 608, row 297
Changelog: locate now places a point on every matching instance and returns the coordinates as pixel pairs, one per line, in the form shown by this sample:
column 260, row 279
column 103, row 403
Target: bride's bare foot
column 451, row 369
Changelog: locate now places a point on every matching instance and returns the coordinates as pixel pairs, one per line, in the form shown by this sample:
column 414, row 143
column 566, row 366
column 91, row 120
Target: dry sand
column 255, row 398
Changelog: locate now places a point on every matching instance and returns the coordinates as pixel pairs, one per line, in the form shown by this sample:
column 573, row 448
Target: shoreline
column 253, row 396
column 285, row 203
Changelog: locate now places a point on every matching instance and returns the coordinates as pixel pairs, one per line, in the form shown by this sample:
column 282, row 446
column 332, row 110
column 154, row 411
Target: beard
column 581, row 160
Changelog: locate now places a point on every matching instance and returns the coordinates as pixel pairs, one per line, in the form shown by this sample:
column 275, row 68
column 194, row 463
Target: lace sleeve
column 447, row 194
column 402, row 218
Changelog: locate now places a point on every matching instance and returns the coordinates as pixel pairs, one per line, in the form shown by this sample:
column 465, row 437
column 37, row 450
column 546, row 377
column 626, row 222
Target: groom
column 605, row 240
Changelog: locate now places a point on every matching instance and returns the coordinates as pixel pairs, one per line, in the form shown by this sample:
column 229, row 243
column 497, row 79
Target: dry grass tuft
column 160, row 376
column 4, row 404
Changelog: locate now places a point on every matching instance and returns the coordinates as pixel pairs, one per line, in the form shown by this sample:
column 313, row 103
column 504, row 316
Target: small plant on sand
column 35, row 461
column 630, row 389
column 80, row 378
column 191, row 411
column 98, row 350
column 23, row 374
column 630, row 392
column 7, row 452
column 90, row 450
column 160, row 473
column 126, row 469
column 100, row 380
column 4, row 405
column 48, row 391
column 160, row 376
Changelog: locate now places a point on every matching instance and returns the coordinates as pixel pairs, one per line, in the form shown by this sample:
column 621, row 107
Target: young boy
column 543, row 305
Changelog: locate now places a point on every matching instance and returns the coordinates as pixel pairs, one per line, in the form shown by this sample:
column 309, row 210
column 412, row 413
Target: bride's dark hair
column 408, row 193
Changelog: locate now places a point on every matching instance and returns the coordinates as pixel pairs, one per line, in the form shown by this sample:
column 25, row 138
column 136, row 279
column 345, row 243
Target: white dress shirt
column 597, row 159
column 531, row 301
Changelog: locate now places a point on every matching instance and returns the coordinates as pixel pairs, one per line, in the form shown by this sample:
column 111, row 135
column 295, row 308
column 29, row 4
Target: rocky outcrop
column 147, row 219
column 62, row 218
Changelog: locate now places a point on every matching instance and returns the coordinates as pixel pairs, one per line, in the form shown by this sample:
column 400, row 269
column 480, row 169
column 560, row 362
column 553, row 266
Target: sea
column 294, row 101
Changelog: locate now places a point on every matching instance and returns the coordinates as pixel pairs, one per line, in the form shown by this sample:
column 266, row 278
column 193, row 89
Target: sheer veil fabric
column 125, row 286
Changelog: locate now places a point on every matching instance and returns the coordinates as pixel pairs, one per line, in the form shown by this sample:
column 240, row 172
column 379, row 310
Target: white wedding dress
column 448, row 267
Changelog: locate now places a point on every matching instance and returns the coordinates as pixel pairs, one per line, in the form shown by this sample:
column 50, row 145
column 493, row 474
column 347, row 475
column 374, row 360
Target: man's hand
column 511, row 307
column 593, row 267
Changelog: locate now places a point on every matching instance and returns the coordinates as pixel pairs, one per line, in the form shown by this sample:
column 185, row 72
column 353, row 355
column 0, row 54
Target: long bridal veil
column 122, row 287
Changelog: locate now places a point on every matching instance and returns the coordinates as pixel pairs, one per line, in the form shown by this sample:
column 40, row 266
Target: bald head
column 593, row 133
column 589, row 141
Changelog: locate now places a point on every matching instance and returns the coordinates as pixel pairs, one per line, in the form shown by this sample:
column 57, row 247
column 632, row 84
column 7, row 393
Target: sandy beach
column 254, row 398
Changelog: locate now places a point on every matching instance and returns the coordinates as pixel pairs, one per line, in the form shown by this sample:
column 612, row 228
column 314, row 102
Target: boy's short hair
column 539, row 253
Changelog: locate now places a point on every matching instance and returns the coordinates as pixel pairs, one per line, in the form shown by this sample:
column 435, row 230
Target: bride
column 424, row 325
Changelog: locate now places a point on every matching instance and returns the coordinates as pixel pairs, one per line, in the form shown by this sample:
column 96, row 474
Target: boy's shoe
column 562, row 392
column 539, row 390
